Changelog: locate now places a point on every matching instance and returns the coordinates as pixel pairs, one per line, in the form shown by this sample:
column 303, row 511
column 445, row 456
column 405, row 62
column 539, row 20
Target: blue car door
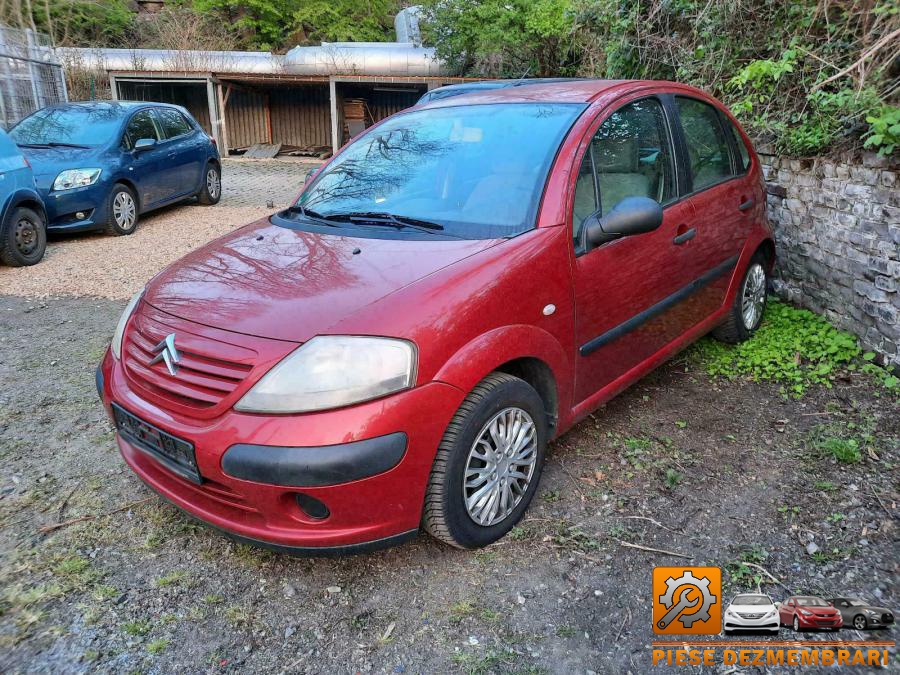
column 183, row 153
column 145, row 166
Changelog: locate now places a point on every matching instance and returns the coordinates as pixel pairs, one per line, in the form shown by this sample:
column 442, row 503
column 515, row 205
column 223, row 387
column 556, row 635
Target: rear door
column 183, row 160
column 146, row 168
column 722, row 196
column 623, row 289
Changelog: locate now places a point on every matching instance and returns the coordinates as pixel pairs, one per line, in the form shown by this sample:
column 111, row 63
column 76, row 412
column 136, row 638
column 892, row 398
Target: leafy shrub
column 792, row 346
column 884, row 130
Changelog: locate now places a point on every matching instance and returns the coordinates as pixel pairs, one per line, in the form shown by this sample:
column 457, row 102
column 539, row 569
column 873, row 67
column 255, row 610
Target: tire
column 501, row 400
column 23, row 238
column 121, row 211
column 860, row 622
column 211, row 192
column 739, row 326
column 796, row 624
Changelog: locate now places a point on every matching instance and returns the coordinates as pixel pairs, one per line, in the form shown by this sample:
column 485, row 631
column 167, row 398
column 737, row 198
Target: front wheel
column 488, row 465
column 122, row 211
column 796, row 624
column 211, row 192
column 23, row 238
column 859, row 622
column 749, row 305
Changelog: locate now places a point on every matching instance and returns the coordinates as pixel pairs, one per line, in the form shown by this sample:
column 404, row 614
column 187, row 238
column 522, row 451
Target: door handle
column 170, row 155
column 684, row 237
column 746, row 204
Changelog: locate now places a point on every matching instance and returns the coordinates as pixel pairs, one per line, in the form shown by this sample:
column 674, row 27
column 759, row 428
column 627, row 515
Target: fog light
column 312, row 507
column 80, row 215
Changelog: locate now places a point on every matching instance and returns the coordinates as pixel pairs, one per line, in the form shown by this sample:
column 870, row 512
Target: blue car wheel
column 122, row 211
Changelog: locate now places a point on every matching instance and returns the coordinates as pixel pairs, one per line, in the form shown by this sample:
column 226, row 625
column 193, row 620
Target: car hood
column 48, row 162
column 287, row 284
column 752, row 609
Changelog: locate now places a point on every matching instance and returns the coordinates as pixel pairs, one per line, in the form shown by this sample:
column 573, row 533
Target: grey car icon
column 861, row 615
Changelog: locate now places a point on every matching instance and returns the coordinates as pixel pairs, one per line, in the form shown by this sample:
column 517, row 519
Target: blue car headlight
column 76, row 178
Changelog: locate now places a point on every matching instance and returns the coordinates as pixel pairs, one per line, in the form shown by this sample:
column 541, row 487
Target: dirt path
column 723, row 472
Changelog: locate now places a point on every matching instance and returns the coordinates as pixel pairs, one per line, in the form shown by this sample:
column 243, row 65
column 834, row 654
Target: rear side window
column 743, row 151
column 140, row 126
column 707, row 145
column 629, row 156
column 172, row 122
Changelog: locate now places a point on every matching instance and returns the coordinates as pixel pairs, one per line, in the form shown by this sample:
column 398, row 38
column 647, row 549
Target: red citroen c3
column 459, row 285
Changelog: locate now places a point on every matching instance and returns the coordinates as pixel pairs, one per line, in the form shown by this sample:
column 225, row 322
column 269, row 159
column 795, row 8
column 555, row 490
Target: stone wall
column 837, row 228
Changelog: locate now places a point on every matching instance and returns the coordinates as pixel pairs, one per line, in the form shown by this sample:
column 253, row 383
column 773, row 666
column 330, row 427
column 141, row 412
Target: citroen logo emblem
column 167, row 353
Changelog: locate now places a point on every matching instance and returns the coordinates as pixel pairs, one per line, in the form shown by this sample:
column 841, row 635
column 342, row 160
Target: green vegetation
column 136, row 628
column 792, row 346
column 157, row 646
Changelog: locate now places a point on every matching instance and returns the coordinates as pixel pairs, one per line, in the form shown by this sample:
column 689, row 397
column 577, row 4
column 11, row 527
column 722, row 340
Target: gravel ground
column 117, row 267
column 97, row 574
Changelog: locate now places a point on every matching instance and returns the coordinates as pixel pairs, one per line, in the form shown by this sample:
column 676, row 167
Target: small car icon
column 861, row 615
column 751, row 611
column 804, row 612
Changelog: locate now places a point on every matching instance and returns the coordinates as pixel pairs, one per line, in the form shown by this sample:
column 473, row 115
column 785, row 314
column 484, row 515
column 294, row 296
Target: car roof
column 558, row 91
column 122, row 107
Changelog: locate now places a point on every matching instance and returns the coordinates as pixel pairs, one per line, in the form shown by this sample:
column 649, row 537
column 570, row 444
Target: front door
column 624, row 288
column 146, row 168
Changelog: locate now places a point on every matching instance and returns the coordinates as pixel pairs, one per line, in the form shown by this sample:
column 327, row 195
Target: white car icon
column 751, row 611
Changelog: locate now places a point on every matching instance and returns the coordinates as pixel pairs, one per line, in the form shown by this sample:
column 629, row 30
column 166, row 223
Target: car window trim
column 734, row 139
column 156, row 117
column 670, row 136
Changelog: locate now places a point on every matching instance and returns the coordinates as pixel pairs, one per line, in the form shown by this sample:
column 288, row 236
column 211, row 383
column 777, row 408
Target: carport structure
column 306, row 111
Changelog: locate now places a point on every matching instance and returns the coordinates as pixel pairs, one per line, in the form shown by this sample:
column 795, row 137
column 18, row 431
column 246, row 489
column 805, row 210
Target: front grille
column 745, row 615
column 208, row 372
column 887, row 617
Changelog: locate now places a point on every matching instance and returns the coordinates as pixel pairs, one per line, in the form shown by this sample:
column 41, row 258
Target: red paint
column 809, row 617
column 469, row 306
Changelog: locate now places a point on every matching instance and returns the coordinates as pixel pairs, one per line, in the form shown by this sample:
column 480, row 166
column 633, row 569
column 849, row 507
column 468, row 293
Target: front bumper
column 252, row 495
column 736, row 622
column 819, row 622
column 63, row 206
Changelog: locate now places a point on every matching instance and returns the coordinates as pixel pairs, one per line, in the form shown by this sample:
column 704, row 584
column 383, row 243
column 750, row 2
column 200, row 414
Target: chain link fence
column 30, row 75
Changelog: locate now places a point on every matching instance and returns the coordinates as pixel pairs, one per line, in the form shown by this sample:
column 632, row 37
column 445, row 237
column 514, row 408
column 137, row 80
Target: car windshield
column 85, row 126
column 752, row 600
column 474, row 171
column 811, row 602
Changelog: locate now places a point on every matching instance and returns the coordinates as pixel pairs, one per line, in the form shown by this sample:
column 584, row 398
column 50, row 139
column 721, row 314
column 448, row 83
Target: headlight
column 871, row 612
column 771, row 614
column 75, row 178
column 331, row 371
column 806, row 612
column 116, row 344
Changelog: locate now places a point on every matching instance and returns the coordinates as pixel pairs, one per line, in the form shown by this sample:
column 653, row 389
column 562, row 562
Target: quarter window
column 172, row 122
column 140, row 126
column 707, row 145
column 743, row 151
column 629, row 156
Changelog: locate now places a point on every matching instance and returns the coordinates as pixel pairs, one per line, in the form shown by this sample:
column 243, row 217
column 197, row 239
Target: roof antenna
column 524, row 75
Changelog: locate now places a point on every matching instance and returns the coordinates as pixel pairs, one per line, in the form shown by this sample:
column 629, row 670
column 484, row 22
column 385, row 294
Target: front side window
column 140, row 126
column 629, row 156
column 707, row 146
column 172, row 123
column 477, row 171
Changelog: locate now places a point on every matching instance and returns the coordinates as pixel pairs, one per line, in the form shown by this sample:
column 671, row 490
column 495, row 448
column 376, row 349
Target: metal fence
column 30, row 75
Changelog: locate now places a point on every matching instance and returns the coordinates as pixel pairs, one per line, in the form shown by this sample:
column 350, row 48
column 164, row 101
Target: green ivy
column 792, row 346
column 884, row 130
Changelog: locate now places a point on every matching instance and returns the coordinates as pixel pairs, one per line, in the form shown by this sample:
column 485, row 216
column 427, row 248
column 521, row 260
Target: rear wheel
column 122, row 211
column 749, row 305
column 211, row 192
column 23, row 238
column 488, row 464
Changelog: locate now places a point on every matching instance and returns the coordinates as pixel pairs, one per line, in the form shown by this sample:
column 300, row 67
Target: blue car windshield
column 86, row 126
column 469, row 171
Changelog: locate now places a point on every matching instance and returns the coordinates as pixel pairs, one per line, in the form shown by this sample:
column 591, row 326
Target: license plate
column 172, row 452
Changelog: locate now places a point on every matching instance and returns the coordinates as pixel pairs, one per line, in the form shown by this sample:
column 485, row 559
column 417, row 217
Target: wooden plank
column 263, row 151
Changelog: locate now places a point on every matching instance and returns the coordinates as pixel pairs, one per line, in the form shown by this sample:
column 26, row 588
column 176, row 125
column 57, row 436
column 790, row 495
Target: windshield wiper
column 389, row 219
column 53, row 144
column 309, row 214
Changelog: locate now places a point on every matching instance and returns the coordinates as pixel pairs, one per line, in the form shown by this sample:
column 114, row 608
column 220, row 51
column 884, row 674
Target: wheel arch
column 527, row 352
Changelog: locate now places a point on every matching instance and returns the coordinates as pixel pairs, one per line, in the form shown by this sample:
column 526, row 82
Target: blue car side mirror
column 144, row 144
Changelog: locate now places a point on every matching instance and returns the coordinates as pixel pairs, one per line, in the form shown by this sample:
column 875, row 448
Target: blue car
column 23, row 223
column 99, row 165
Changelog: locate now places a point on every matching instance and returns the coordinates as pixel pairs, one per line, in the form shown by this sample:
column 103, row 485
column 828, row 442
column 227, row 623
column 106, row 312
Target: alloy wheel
column 859, row 623
column 796, row 624
column 753, row 296
column 213, row 183
column 500, row 466
column 124, row 210
column 26, row 236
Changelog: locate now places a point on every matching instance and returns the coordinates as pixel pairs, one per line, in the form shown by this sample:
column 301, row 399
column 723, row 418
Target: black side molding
column 652, row 312
column 98, row 380
column 315, row 466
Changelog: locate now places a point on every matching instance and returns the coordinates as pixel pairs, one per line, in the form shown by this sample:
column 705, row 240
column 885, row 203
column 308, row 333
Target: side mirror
column 777, row 605
column 144, row 144
column 632, row 215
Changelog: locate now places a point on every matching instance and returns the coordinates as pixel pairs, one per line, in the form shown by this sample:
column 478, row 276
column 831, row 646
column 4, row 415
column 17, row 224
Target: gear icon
column 701, row 584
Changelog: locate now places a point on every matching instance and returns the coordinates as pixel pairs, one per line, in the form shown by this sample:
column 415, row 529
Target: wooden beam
column 223, row 151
